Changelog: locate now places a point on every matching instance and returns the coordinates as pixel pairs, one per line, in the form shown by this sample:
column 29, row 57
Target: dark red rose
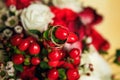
column 84, row 31
column 97, row 40
column 20, row 4
column 97, row 20
column 66, row 17
column 90, row 17
column 87, row 15
column 70, row 15
column 10, row 2
column 59, row 22
column 82, row 24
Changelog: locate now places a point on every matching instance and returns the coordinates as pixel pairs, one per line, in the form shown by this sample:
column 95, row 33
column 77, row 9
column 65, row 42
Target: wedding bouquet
column 51, row 40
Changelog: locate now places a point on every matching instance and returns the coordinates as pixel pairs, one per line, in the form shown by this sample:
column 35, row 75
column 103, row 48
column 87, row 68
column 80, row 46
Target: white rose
column 74, row 5
column 102, row 70
column 36, row 16
column 91, row 77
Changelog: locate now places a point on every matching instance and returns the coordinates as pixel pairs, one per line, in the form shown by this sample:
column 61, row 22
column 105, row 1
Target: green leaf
column 27, row 61
column 6, row 58
column 62, row 74
column 2, row 27
column 118, row 53
column 4, row 17
column 116, row 61
column 12, row 13
column 36, row 32
column 44, row 65
column 18, row 67
column 16, row 50
column 46, row 35
column 44, row 51
column 2, row 73
column 103, row 52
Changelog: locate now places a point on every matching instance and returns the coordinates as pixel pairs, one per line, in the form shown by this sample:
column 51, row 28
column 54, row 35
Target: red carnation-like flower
column 82, row 24
column 98, row 41
column 20, row 4
column 90, row 17
column 65, row 17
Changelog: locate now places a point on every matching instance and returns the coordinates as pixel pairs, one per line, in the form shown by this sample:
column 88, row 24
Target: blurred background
column 110, row 27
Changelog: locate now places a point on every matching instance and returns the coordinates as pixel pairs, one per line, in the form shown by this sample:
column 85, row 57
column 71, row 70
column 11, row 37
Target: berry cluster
column 45, row 55
column 25, row 44
column 59, row 58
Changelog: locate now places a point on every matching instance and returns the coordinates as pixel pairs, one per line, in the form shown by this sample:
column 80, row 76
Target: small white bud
column 11, row 70
column 10, row 73
column 10, row 64
column 18, row 29
column 12, row 8
column 11, row 21
column 11, row 79
column 89, row 40
column 7, row 32
column 19, row 79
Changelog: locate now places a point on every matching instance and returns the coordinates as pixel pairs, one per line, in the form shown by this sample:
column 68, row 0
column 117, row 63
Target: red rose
column 81, row 24
column 98, row 41
column 20, row 4
column 97, row 20
column 66, row 17
column 10, row 2
column 70, row 15
column 90, row 17
column 59, row 22
column 81, row 32
column 87, row 15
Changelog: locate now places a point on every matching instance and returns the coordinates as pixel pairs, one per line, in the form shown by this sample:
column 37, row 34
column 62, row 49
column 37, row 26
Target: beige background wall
column 110, row 27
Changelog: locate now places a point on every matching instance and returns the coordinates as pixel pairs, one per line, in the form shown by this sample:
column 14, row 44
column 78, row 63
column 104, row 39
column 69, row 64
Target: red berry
column 31, row 39
column 35, row 61
column 24, row 45
column 18, row 59
column 74, row 53
column 53, row 74
column 50, row 43
column 72, row 74
column 60, row 64
column 34, row 48
column 72, row 37
column 16, row 40
column 62, row 54
column 54, row 55
column 61, row 33
column 76, row 61
column 53, row 63
column 68, row 65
